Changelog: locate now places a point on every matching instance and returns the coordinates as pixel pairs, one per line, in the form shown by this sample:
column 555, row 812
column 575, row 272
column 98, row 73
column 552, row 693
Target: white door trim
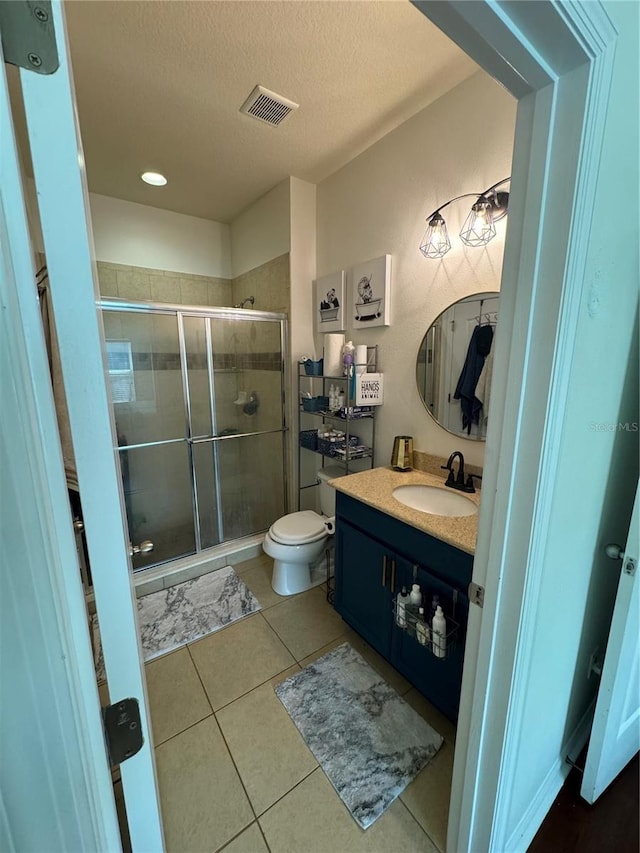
column 58, row 167
column 557, row 60
column 73, row 741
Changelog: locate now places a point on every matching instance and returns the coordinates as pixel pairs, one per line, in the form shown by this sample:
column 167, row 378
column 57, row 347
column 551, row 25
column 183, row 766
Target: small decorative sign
column 369, row 389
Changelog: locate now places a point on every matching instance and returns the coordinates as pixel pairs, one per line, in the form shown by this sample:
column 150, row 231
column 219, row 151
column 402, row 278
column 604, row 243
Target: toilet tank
column 327, row 492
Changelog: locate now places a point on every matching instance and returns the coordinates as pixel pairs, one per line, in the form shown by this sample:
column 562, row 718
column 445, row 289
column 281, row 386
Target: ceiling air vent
column 268, row 106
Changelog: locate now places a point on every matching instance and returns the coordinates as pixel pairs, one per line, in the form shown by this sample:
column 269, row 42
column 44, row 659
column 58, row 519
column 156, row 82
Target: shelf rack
column 321, row 384
column 310, row 382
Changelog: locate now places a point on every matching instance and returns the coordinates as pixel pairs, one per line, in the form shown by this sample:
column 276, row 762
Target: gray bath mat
column 366, row 738
column 183, row 613
column 172, row 617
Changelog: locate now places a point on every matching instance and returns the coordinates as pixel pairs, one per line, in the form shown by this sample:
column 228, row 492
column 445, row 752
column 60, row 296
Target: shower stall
column 198, row 402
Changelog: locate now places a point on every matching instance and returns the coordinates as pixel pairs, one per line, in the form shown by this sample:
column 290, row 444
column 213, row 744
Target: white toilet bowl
column 297, row 541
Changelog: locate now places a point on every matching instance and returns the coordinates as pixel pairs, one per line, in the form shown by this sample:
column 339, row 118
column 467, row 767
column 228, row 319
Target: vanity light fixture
column 479, row 227
column 154, row 178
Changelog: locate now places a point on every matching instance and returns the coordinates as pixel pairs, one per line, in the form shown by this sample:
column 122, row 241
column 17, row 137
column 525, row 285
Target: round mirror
column 455, row 363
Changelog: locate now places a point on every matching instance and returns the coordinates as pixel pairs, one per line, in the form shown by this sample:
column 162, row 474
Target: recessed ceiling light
column 154, row 178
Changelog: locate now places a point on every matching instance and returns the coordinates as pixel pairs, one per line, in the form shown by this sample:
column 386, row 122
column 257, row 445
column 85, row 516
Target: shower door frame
column 208, row 314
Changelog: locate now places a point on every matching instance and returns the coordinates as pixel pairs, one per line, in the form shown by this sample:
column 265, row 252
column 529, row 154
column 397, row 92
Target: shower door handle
column 142, row 548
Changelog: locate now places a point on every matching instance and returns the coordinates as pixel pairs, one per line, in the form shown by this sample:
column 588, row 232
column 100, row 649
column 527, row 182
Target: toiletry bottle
column 340, row 400
column 435, row 601
column 348, row 352
column 439, row 634
column 401, row 608
column 415, row 597
column 422, row 629
column 332, row 398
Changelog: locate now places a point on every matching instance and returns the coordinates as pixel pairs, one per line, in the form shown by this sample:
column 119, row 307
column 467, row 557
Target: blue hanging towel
column 479, row 347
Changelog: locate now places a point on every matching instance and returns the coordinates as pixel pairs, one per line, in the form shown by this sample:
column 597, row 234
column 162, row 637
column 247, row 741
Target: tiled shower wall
column 149, row 285
column 269, row 284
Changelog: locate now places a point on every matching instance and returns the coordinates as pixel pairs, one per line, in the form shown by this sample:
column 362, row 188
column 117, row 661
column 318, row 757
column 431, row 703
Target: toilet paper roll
column 333, row 344
column 361, row 358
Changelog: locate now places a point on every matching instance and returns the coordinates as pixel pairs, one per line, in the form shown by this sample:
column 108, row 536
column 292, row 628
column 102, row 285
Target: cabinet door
column 363, row 586
column 439, row 679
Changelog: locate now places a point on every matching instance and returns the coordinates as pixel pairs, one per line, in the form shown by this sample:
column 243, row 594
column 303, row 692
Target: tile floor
column 233, row 771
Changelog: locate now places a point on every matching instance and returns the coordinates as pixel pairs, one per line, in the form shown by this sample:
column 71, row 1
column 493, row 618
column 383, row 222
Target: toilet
column 298, row 540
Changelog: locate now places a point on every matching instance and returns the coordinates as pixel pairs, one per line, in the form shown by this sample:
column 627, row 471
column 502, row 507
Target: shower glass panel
column 247, row 364
column 196, row 338
column 157, row 493
column 143, row 353
column 198, row 403
column 244, row 463
column 209, row 517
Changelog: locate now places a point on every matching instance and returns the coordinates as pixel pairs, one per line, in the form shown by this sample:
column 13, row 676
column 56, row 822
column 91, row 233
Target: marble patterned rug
column 183, row 613
column 367, row 739
column 172, row 617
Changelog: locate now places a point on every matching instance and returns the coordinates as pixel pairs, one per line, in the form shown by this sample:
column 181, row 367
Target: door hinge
column 122, row 730
column 629, row 567
column 476, row 594
column 28, row 37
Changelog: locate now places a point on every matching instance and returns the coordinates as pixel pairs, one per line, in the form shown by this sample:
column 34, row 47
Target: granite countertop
column 374, row 488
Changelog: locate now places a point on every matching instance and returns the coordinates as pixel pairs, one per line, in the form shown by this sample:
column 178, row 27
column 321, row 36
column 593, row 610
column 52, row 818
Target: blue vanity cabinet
column 363, row 595
column 376, row 555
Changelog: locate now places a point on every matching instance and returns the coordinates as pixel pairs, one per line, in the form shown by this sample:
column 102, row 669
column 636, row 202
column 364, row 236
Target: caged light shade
column 435, row 243
column 478, row 227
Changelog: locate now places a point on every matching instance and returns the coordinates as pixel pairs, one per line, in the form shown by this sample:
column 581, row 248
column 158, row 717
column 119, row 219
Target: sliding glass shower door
column 199, row 409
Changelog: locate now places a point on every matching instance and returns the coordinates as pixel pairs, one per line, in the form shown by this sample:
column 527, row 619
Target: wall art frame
column 329, row 303
column 370, row 294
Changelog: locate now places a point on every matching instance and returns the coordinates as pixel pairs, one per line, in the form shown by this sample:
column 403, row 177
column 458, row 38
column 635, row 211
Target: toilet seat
column 299, row 528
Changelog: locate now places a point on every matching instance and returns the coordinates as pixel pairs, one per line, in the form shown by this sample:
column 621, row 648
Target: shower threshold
column 195, row 565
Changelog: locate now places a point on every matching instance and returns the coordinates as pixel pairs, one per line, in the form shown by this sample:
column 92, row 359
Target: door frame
column 62, row 201
column 557, row 60
column 62, row 708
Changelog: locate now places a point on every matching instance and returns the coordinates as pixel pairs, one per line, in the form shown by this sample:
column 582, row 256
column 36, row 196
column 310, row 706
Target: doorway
column 524, row 312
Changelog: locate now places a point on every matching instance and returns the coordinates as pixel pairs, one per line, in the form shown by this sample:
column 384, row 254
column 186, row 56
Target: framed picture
column 329, row 296
column 370, row 295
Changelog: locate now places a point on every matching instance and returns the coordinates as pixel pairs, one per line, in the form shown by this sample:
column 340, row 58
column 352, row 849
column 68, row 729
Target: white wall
column 378, row 203
column 261, row 232
column 138, row 235
column 302, row 261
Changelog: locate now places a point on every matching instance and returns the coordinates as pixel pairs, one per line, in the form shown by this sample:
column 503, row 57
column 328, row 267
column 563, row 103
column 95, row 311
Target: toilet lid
column 298, row 528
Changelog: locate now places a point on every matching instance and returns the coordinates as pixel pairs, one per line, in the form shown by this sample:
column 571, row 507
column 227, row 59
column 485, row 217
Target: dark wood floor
column 611, row 824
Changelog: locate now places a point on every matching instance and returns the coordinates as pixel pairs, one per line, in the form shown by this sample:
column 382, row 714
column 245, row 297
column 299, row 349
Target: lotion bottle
column 439, row 634
column 415, row 596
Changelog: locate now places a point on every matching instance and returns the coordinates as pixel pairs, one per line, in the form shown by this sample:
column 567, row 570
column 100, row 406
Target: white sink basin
column 435, row 500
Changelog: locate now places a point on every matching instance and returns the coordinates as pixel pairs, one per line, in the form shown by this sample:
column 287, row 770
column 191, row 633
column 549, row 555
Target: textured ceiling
column 159, row 86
